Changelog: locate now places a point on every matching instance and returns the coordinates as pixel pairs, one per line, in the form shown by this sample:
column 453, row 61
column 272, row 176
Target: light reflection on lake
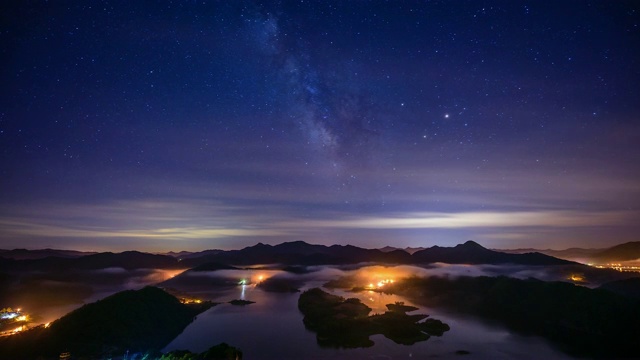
column 272, row 328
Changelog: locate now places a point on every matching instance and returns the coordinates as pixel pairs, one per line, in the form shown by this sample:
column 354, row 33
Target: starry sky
column 190, row 125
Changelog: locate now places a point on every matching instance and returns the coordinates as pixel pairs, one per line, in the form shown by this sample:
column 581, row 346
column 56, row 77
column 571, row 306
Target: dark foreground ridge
column 221, row 351
column 145, row 320
column 346, row 323
column 627, row 287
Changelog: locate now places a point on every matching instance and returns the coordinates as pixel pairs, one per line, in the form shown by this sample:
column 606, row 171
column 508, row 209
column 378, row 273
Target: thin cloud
column 30, row 228
column 427, row 220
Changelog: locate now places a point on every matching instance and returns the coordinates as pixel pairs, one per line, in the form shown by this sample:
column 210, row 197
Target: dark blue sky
column 193, row 125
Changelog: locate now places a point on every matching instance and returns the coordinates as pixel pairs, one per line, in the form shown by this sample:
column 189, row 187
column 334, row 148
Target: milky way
column 126, row 125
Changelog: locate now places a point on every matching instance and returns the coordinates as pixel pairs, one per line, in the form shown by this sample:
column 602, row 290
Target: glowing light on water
column 380, row 284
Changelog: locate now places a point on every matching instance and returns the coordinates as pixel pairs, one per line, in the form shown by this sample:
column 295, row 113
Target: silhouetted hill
column 388, row 249
column 221, row 351
column 345, row 323
column 24, row 254
column 627, row 287
column 301, row 253
column 183, row 255
column 288, row 253
column 572, row 254
column 178, row 254
column 141, row 320
column 213, row 266
column 409, row 250
column 412, row 250
column 584, row 322
column 622, row 252
column 126, row 260
column 298, row 253
column 473, row 253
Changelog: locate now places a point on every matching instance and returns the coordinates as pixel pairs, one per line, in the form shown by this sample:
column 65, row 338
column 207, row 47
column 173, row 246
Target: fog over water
column 49, row 296
column 272, row 327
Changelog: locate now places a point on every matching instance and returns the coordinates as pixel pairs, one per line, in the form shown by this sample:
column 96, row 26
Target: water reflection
column 272, row 328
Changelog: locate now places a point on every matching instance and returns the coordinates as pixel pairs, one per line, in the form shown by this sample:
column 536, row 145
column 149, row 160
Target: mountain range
column 288, row 253
column 302, row 253
column 624, row 252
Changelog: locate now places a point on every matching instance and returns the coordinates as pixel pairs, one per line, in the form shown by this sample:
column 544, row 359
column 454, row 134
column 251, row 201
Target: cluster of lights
column 189, row 301
column 17, row 316
column 576, row 278
column 8, row 314
column 380, row 283
column 246, row 281
column 618, row 266
column 18, row 329
column 14, row 316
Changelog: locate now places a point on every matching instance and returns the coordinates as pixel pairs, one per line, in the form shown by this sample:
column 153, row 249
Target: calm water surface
column 272, row 328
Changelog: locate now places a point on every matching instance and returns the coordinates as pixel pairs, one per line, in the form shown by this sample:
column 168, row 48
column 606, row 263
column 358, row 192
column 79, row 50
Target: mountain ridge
column 286, row 253
column 617, row 253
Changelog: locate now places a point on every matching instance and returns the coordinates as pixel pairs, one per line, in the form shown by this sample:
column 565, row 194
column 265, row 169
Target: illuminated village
column 379, row 284
column 631, row 267
column 13, row 321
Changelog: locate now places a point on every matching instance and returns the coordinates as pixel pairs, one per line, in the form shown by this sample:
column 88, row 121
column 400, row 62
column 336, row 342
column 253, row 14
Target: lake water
column 272, row 328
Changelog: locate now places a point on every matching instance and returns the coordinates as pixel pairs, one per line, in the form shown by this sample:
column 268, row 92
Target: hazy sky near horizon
column 182, row 125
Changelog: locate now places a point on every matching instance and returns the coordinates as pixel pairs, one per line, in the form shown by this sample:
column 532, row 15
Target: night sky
column 156, row 126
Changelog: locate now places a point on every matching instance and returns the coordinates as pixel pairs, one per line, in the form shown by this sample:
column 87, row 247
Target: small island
column 239, row 302
column 345, row 323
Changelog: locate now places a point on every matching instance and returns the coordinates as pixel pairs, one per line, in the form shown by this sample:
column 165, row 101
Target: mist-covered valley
column 461, row 291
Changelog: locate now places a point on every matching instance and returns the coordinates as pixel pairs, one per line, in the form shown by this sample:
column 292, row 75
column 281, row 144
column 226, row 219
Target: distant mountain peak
column 299, row 242
column 471, row 244
column 260, row 245
column 622, row 252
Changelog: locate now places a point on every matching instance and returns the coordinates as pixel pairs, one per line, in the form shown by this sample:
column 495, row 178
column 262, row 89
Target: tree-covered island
column 346, row 323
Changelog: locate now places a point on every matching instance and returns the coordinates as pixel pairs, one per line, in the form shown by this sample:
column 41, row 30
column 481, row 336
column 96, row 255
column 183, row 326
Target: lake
column 272, row 328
